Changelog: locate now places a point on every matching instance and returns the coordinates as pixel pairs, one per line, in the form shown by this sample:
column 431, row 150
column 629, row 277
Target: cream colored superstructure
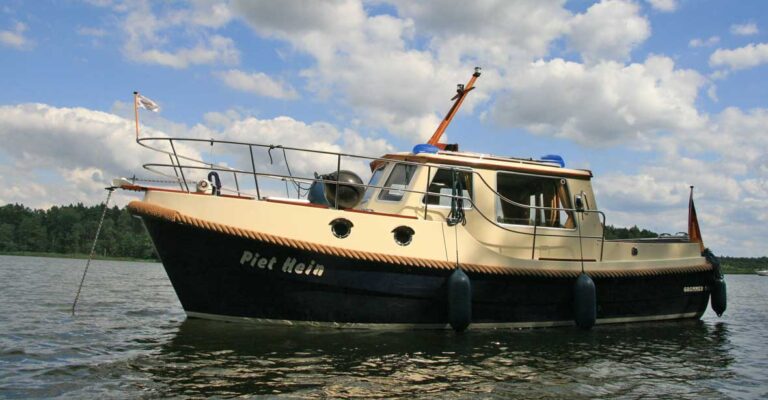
column 480, row 241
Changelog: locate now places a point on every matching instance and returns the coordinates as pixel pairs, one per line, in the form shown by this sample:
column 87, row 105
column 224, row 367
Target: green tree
column 6, row 237
column 31, row 234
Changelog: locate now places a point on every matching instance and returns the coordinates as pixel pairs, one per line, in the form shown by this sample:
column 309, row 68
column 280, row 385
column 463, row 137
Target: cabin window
column 442, row 184
column 533, row 191
column 398, row 180
column 374, row 181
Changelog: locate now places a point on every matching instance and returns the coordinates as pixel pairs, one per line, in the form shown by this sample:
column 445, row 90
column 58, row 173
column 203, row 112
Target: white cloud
column 608, row 30
column 730, row 209
column 392, row 83
column 712, row 93
column 363, row 58
column 395, row 76
column 709, row 42
column 71, row 153
column 663, row 5
column 217, row 50
column 726, row 163
column 745, row 57
column 205, row 13
column 744, row 29
column 15, row 37
column 258, row 83
column 290, row 132
column 68, row 155
column 741, row 137
column 496, row 32
column 147, row 42
column 604, row 104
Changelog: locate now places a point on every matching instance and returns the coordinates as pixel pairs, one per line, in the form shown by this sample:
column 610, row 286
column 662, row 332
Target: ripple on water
column 130, row 339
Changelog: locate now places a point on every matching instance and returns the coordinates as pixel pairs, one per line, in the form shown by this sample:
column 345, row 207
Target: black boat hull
column 222, row 276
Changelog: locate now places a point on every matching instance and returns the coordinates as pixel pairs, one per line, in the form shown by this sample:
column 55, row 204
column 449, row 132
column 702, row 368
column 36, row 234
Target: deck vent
column 554, row 159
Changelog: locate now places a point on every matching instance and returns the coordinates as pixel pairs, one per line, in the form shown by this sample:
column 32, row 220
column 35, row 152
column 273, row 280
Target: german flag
column 694, row 233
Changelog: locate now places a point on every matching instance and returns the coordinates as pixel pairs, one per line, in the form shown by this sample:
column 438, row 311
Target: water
column 130, row 339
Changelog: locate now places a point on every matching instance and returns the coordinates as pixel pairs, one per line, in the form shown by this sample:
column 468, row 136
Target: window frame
column 385, row 187
column 468, row 205
column 498, row 202
column 370, row 187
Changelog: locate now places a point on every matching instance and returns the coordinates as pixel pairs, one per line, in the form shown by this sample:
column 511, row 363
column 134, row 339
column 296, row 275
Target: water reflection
column 207, row 358
column 130, row 339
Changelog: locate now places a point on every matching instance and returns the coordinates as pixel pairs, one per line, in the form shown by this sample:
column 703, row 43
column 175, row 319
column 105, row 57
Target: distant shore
column 75, row 256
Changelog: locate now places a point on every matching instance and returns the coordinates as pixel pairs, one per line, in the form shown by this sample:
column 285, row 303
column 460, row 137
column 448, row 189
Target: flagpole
column 136, row 112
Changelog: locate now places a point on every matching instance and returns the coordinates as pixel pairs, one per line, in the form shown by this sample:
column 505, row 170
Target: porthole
column 403, row 235
column 341, row 227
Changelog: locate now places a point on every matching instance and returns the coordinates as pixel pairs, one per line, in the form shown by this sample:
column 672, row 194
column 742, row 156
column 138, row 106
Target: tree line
column 71, row 229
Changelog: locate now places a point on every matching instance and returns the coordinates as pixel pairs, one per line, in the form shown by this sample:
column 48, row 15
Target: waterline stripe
column 408, row 326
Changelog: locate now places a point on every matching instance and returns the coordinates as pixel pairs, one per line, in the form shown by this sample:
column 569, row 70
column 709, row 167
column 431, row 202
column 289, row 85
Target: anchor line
column 456, row 240
column 93, row 247
column 581, row 248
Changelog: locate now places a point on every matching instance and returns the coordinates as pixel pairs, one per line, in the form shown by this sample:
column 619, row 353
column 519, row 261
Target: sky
column 653, row 96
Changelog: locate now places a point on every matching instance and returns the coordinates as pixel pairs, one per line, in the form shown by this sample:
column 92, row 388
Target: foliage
column 743, row 265
column 70, row 230
column 634, row 232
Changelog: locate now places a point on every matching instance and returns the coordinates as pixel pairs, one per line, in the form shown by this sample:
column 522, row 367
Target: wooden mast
column 461, row 93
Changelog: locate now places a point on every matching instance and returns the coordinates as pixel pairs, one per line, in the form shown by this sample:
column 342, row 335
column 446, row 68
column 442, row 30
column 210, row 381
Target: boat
column 762, row 272
column 438, row 238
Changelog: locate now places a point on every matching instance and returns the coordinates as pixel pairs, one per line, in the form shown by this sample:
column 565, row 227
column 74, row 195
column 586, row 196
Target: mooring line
column 93, row 247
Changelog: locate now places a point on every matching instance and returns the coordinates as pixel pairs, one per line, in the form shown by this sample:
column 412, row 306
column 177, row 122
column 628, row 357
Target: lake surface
column 131, row 339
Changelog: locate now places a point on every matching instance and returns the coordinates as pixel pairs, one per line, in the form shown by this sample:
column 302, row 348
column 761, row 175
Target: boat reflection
column 208, row 358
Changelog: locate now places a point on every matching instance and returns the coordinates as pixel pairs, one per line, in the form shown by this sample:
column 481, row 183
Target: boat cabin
column 519, row 208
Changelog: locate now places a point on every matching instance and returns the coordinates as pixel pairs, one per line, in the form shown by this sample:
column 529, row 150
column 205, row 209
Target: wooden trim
column 500, row 165
column 139, row 188
column 380, row 213
column 567, row 259
column 293, row 203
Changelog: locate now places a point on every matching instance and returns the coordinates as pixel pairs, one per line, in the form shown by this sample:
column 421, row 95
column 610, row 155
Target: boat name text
column 290, row 265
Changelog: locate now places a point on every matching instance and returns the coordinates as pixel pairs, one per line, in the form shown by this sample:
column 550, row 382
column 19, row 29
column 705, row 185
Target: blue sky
column 651, row 95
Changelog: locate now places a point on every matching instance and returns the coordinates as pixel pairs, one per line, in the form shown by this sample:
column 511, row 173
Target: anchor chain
column 93, row 247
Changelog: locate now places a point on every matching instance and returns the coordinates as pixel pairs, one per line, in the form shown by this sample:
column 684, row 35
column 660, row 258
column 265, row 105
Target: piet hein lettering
column 290, row 265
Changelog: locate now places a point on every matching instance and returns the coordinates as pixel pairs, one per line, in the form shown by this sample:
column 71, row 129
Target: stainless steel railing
column 192, row 164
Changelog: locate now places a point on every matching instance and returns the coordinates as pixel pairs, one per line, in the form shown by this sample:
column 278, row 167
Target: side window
column 442, row 183
column 398, row 180
column 374, row 181
column 533, row 191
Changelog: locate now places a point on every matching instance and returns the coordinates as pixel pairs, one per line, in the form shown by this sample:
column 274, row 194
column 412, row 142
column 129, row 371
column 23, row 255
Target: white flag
column 147, row 104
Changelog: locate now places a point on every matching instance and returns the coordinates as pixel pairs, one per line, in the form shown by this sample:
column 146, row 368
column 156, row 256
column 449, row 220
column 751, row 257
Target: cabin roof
column 487, row 161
